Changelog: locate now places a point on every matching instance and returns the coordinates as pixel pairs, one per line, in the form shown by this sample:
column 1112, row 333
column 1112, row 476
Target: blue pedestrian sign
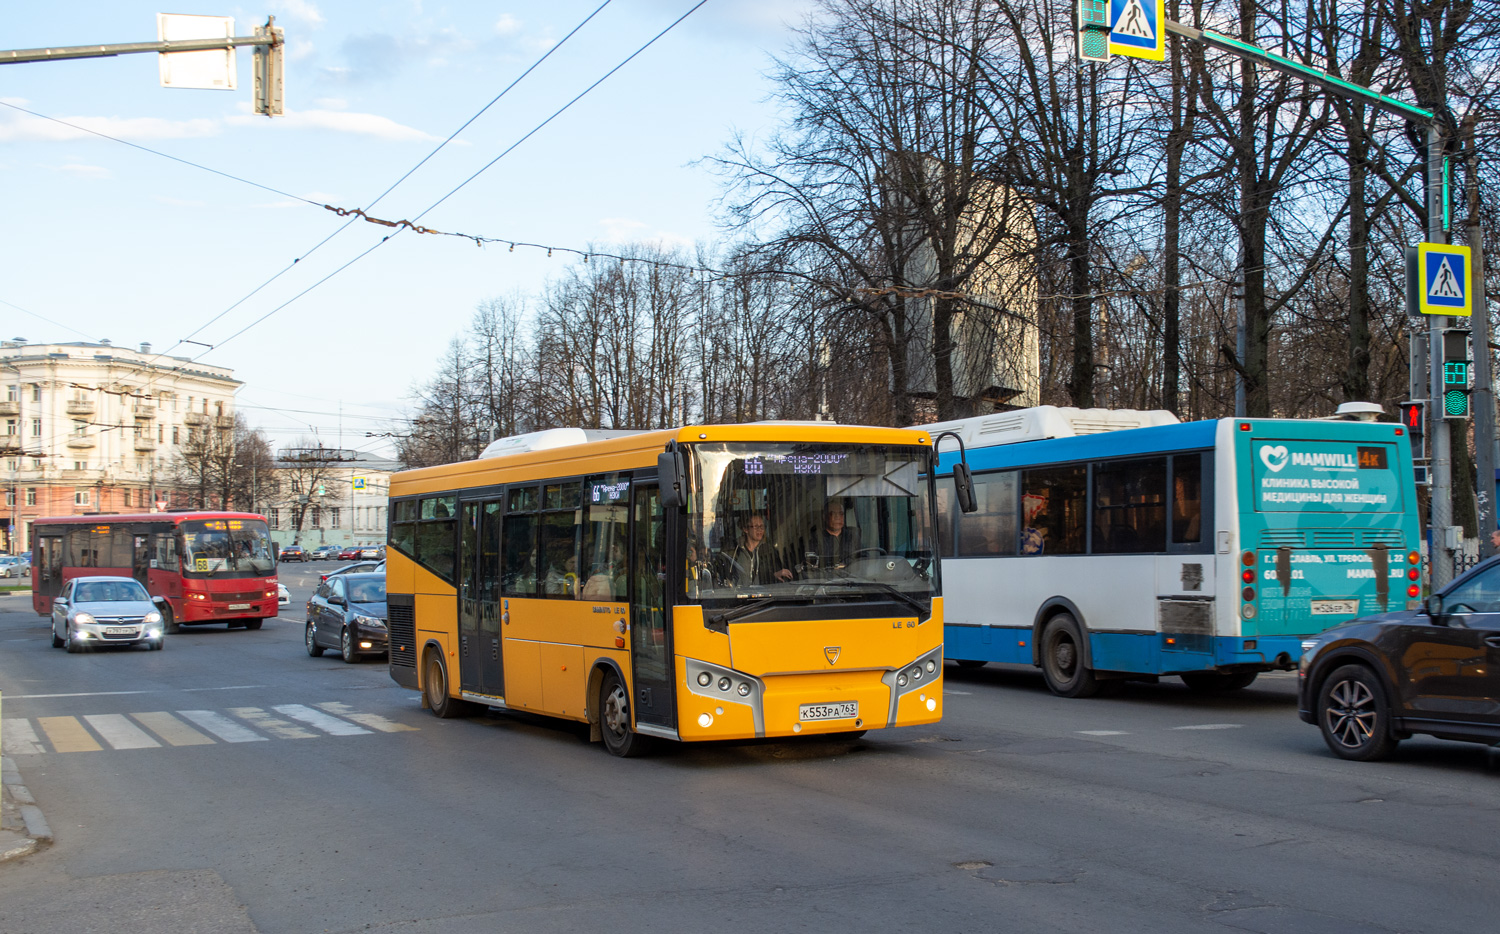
column 1443, row 280
column 1137, row 29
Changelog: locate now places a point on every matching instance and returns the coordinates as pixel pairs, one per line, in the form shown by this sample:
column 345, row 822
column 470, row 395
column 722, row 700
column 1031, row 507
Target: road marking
column 19, row 738
column 67, row 735
column 959, row 693
column 322, row 721
column 232, row 687
column 119, row 732
column 1211, row 726
column 372, row 720
column 171, row 729
column 221, row 726
column 1104, row 732
column 268, row 724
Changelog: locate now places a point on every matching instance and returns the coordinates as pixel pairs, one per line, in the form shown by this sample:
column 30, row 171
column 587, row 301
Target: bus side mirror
column 670, row 474
column 275, row 550
column 963, row 487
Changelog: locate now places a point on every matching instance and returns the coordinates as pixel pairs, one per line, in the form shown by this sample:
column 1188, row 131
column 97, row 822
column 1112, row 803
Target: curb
column 38, row 833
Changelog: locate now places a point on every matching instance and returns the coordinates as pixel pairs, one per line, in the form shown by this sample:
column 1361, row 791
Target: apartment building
column 94, row 428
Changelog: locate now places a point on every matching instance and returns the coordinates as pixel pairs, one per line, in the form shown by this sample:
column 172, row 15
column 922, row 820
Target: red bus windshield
column 226, row 548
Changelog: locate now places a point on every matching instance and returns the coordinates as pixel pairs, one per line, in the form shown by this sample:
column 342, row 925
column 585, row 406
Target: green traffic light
column 1456, row 403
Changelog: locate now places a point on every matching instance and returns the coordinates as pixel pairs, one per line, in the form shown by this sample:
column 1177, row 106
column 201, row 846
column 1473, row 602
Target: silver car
column 94, row 611
column 15, row 566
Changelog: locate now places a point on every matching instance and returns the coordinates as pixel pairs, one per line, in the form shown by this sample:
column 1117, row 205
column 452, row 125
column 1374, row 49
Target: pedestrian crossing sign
column 1443, row 280
column 1137, row 28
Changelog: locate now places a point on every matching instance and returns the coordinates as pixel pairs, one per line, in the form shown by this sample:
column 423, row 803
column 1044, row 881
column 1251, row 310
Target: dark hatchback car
column 347, row 613
column 1374, row 681
column 291, row 553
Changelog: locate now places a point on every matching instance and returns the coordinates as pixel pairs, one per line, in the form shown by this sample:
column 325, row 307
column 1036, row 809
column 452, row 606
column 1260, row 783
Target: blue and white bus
column 1119, row 545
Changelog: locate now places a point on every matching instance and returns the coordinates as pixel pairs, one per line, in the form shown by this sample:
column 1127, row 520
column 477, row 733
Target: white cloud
column 84, row 171
column 24, row 127
column 332, row 103
column 629, row 230
column 507, row 25
column 361, row 124
column 299, row 11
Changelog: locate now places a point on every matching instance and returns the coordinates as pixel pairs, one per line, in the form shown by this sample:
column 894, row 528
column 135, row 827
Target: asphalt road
column 344, row 807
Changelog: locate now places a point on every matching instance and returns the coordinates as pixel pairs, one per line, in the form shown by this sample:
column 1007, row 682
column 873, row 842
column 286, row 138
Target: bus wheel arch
column 602, row 668
column 434, row 684
column 1053, row 607
column 1065, row 658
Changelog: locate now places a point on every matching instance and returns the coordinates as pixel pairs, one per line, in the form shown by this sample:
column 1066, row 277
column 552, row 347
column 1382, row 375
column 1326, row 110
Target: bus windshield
column 810, row 523
column 226, row 548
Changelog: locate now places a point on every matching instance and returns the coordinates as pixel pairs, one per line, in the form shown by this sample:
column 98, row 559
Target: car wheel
column 72, row 644
column 313, row 649
column 160, row 644
column 56, row 642
column 347, row 648
column 253, row 623
column 1062, row 659
column 969, row 664
column 1217, row 682
column 1354, row 716
column 435, row 687
column 614, row 720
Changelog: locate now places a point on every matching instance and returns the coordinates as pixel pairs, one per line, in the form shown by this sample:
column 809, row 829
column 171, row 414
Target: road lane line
column 268, row 724
column 321, row 721
column 1104, row 732
column 231, row 687
column 1211, row 726
column 221, row 726
column 20, row 738
column 372, row 720
column 119, row 732
column 171, row 729
column 66, row 734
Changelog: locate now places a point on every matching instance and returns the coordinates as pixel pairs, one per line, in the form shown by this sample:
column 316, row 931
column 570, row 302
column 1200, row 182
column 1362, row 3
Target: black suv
column 292, row 553
column 1374, row 681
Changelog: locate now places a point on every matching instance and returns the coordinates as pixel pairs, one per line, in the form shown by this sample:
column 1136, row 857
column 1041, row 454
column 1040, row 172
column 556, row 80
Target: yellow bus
column 704, row 583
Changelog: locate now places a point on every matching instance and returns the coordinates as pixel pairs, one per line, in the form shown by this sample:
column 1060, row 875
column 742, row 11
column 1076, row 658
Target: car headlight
column 83, row 619
column 370, row 621
column 153, row 617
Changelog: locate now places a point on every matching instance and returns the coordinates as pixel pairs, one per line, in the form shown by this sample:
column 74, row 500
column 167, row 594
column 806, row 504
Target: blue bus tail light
column 1413, row 590
column 1248, row 558
column 1248, row 577
column 1248, row 594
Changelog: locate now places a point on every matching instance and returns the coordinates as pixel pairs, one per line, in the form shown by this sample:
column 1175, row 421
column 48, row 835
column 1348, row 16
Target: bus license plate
column 838, row 710
column 119, row 630
column 1335, row 607
column 246, row 606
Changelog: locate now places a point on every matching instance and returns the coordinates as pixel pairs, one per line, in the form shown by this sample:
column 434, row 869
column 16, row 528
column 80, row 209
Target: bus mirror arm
column 671, row 475
column 963, row 480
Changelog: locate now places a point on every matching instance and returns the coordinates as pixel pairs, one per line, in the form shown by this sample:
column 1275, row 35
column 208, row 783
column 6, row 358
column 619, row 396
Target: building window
column 80, row 497
column 12, row 463
column 36, row 392
column 174, row 434
column 31, row 496
column 126, row 495
column 273, row 517
column 161, row 434
column 80, row 428
column 10, row 426
column 10, row 497
column 12, row 393
column 80, row 465
column 317, row 514
column 36, row 428
column 333, row 517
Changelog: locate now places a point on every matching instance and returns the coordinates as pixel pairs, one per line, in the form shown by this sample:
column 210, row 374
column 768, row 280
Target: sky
column 100, row 240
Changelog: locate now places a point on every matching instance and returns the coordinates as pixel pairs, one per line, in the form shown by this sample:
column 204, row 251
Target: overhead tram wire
column 530, row 133
column 317, row 246
column 56, row 324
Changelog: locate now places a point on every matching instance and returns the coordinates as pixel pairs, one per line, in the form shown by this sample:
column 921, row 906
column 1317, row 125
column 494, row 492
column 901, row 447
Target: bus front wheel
column 614, row 720
column 435, row 684
column 1063, row 659
column 170, row 618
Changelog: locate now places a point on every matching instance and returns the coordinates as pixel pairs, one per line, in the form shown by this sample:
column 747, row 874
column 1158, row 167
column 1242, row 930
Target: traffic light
column 1456, row 367
column 1093, row 30
column 1414, row 420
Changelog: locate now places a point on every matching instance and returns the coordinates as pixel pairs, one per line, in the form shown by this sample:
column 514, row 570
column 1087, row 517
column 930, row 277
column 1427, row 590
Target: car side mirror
column 162, row 602
column 59, row 601
column 1434, row 607
column 337, row 601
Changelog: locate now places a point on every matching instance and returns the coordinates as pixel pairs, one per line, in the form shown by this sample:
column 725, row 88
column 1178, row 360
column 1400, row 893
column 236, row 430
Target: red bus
column 213, row 567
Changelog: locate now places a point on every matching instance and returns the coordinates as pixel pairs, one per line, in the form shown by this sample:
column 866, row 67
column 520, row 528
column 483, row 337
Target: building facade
column 339, row 503
column 97, row 428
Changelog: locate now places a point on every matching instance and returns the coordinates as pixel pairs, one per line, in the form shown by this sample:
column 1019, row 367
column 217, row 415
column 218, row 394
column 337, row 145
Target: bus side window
column 991, row 529
column 404, row 526
column 559, row 549
column 602, row 568
column 435, row 533
column 1187, row 499
column 1130, row 504
column 1054, row 503
column 518, row 543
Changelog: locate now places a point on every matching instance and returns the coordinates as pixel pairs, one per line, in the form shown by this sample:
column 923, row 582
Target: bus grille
column 1190, row 623
column 1343, row 538
column 401, row 624
column 1391, row 538
column 1277, row 538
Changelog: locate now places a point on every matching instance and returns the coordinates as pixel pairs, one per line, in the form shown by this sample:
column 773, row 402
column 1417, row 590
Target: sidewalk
column 23, row 829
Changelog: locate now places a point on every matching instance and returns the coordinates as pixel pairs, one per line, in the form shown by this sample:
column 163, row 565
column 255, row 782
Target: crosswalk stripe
column 171, row 729
column 372, row 720
column 221, row 726
column 66, row 734
column 322, row 721
column 20, row 739
column 1210, row 726
column 119, row 732
column 268, row 724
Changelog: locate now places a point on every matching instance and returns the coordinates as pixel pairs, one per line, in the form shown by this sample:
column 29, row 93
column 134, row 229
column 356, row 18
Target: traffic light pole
column 1441, row 558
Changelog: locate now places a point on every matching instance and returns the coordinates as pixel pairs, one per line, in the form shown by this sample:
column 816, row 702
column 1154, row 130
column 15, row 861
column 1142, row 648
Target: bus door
column 140, row 559
column 650, row 635
column 164, row 562
column 479, row 662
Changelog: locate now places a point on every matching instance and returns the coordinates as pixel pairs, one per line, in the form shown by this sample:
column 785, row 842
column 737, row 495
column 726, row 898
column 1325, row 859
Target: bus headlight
column 152, row 617
column 705, row 679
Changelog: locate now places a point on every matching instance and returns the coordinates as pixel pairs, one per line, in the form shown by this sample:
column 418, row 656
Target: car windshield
column 226, row 548
column 367, row 591
column 814, row 523
column 121, row 591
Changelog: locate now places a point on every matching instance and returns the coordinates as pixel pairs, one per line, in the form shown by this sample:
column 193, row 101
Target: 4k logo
column 831, row 652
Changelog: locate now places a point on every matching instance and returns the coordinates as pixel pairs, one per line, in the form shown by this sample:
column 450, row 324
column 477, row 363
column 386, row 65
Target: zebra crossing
column 157, row 729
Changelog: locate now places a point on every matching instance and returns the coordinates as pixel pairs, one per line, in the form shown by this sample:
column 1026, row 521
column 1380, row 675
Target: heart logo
column 1275, row 457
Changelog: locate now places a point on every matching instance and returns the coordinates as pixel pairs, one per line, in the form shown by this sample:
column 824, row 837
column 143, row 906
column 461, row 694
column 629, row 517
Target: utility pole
column 1484, row 393
column 1441, row 560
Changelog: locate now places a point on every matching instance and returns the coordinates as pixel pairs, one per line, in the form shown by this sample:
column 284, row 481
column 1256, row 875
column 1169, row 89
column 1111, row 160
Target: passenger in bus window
column 562, row 570
column 753, row 560
column 1187, row 506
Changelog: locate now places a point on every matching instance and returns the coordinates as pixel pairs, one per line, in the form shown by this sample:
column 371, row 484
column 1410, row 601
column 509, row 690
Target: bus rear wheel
column 1217, row 682
column 614, row 720
column 1063, row 659
column 435, row 685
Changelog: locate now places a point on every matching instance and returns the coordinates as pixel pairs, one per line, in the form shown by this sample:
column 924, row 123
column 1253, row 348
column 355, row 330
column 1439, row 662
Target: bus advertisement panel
column 1103, row 551
column 213, row 567
column 713, row 582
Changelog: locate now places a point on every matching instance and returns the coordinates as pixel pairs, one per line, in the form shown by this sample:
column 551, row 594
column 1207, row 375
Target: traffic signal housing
column 1456, row 367
column 1414, row 420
